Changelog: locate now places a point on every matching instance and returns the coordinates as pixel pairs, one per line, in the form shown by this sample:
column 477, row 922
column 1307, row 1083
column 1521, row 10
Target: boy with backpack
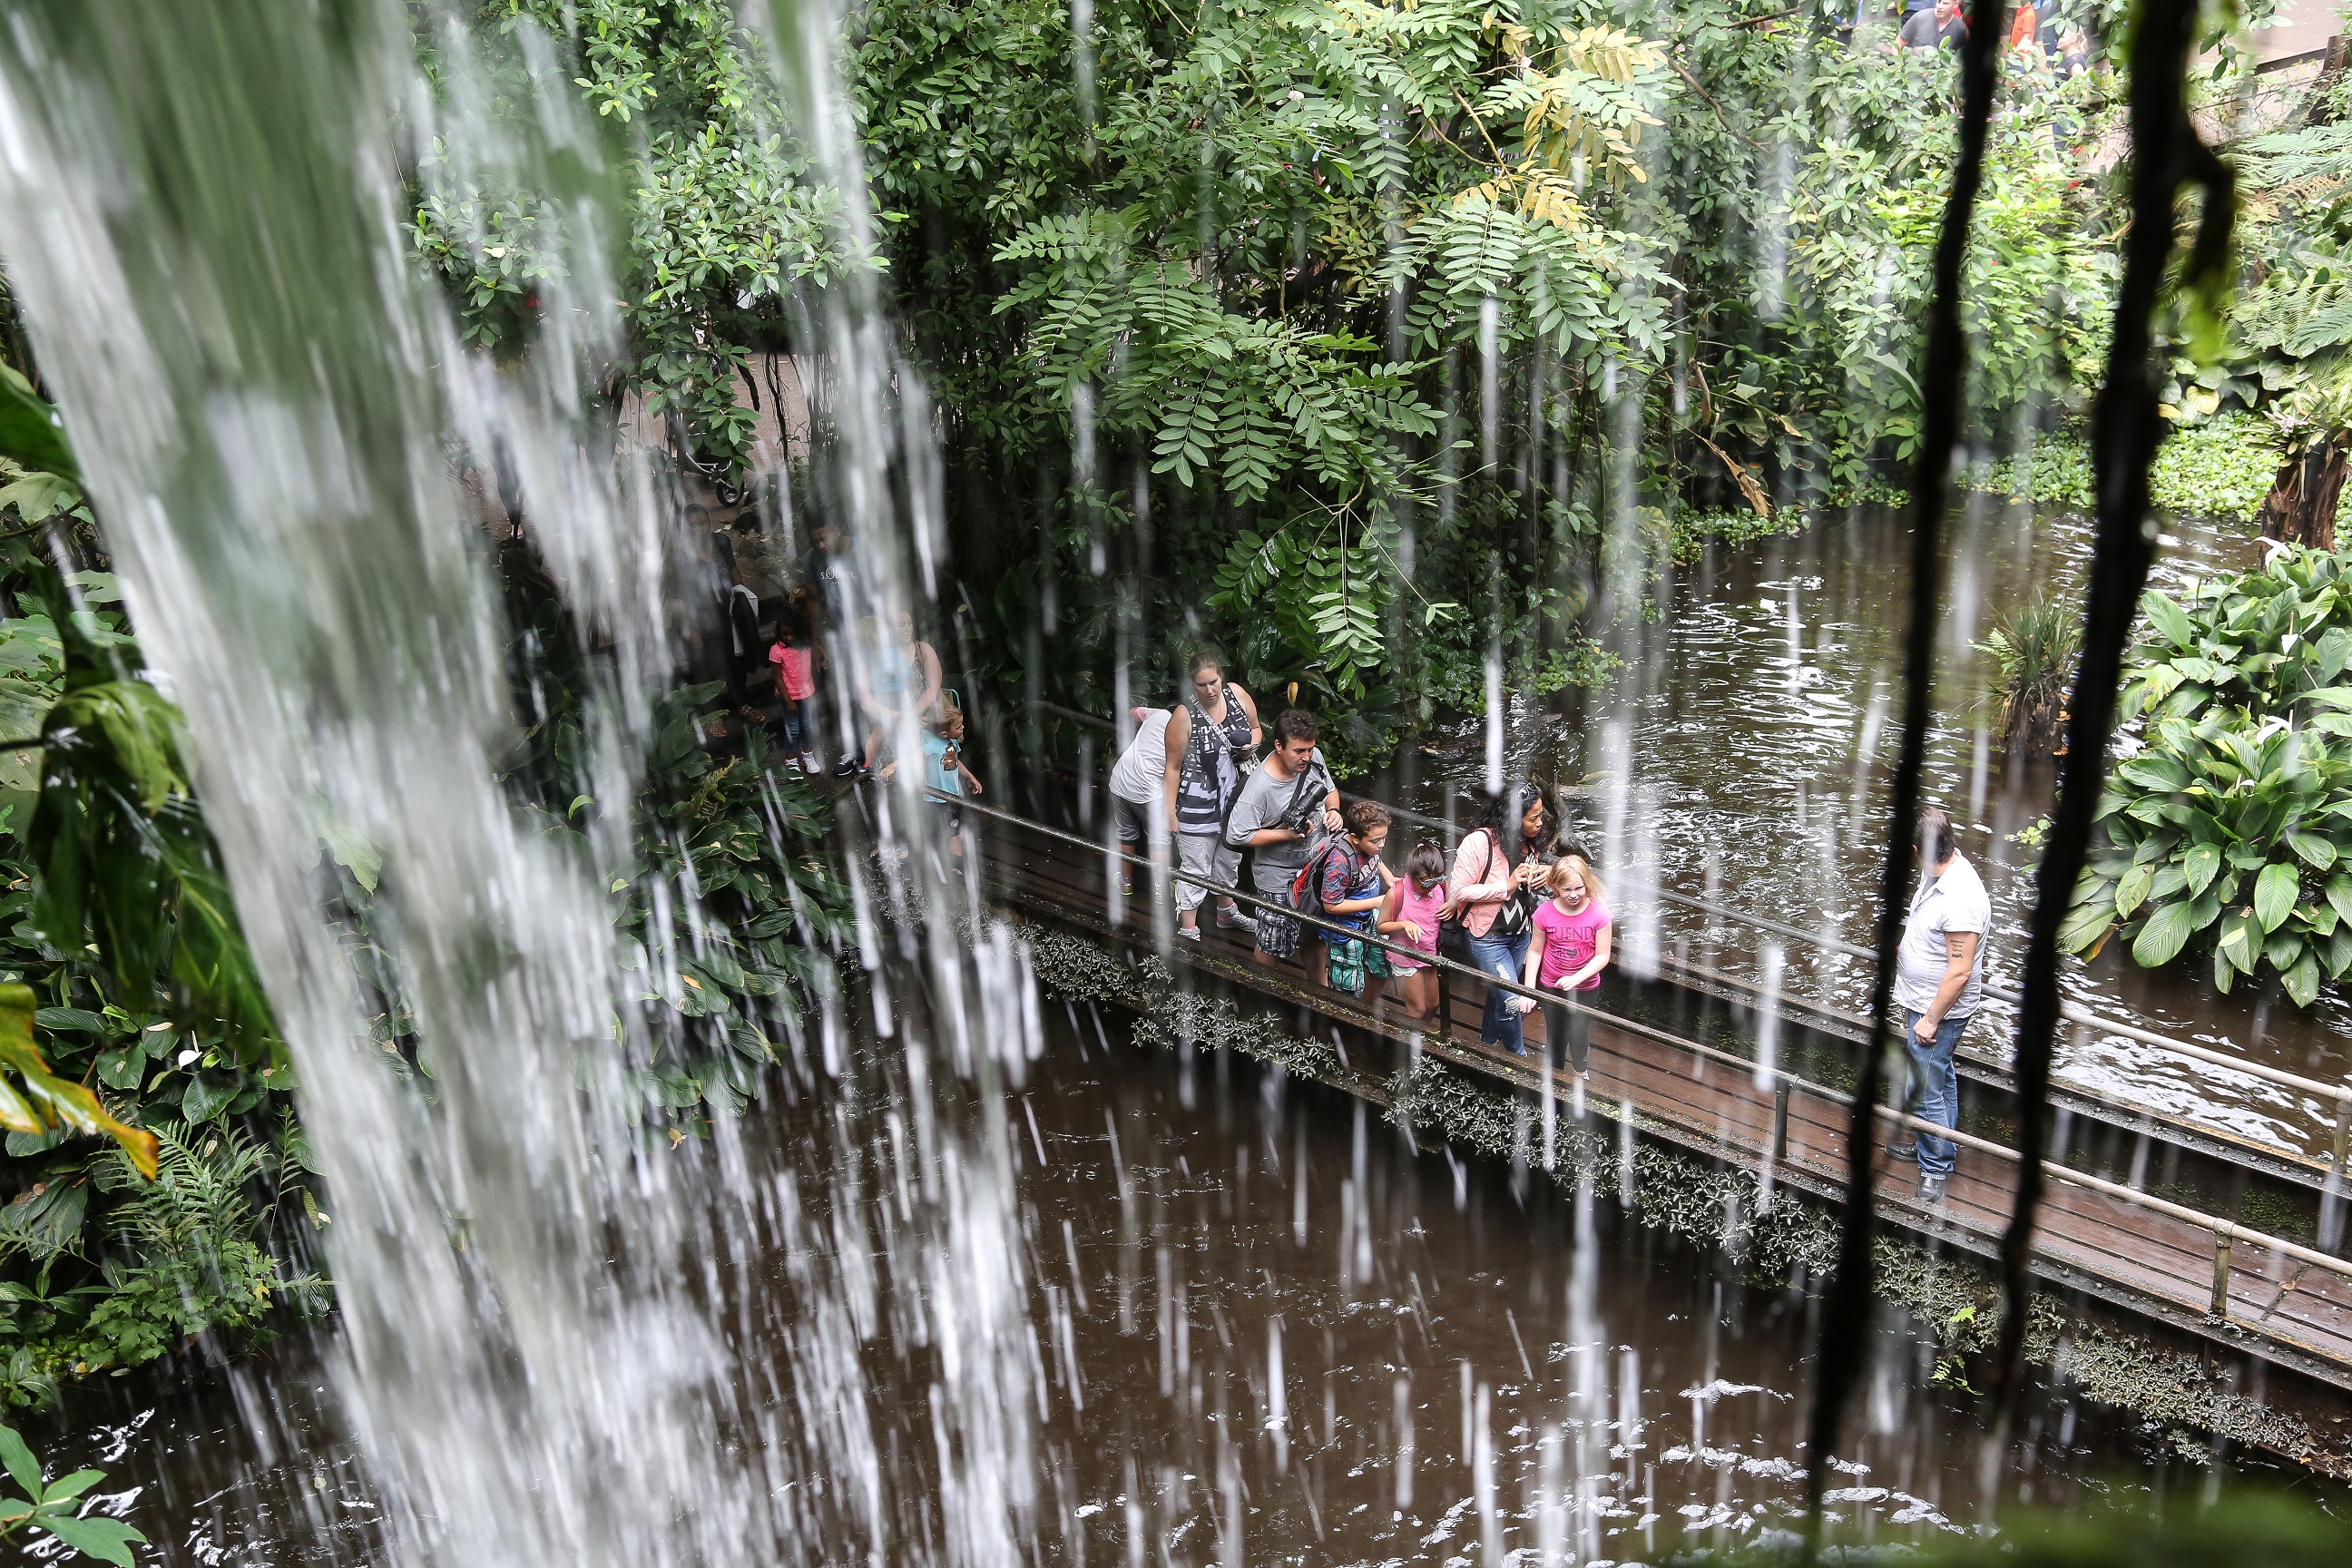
column 1285, row 806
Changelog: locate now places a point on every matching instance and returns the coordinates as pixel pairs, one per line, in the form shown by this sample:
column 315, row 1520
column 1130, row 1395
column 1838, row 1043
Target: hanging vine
column 2167, row 154
column 1846, row 1318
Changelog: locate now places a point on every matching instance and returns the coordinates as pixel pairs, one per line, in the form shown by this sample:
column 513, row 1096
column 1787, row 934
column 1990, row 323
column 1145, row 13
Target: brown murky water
column 1267, row 1330
column 1745, row 753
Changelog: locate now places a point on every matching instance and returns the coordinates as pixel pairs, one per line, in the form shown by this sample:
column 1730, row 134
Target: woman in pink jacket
column 1495, row 886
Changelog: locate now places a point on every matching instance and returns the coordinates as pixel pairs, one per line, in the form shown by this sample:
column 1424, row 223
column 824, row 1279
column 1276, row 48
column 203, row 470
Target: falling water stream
column 202, row 210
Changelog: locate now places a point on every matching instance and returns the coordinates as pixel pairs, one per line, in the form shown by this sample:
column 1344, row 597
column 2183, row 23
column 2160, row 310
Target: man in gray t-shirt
column 1938, row 978
column 1276, row 816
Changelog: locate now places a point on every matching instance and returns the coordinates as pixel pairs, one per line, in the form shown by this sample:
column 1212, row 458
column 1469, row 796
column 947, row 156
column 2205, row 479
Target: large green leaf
column 2275, row 893
column 2200, row 865
column 99, row 1537
column 2240, row 938
column 2340, row 895
column 2131, row 890
column 32, row 435
column 2165, row 615
column 2302, row 980
column 2154, row 771
column 2334, row 652
column 23, row 1467
column 2320, row 852
column 2087, row 924
column 2160, row 939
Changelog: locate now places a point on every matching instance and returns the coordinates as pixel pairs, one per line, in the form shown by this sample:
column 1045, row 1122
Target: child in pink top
column 795, row 660
column 1410, row 915
column 1568, row 949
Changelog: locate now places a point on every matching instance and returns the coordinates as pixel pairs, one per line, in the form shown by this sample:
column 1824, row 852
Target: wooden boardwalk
column 2290, row 1311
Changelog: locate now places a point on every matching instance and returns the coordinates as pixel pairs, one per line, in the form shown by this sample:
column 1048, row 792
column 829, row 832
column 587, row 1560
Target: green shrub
column 2033, row 647
column 2222, row 468
column 2232, row 824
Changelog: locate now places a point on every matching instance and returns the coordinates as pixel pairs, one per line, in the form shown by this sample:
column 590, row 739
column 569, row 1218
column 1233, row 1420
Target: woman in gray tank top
column 1208, row 736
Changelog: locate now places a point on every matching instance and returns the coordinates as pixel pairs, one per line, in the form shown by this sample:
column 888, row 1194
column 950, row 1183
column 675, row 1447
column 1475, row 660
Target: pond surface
column 1746, row 752
column 1256, row 1303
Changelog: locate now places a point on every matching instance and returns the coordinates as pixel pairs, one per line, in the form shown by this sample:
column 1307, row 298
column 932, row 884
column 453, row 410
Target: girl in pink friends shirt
column 1568, row 951
column 1410, row 914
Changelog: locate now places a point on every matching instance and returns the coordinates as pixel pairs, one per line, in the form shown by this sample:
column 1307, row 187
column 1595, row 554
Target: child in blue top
column 943, row 766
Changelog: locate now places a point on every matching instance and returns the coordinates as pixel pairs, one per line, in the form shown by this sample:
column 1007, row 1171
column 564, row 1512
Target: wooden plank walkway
column 2287, row 1311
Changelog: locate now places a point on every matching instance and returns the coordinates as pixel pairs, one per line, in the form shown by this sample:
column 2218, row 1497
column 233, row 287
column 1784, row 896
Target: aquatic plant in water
column 2233, row 823
column 2033, row 647
column 54, row 1508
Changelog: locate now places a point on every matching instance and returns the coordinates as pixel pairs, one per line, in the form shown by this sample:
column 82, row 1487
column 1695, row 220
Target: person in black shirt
column 1927, row 29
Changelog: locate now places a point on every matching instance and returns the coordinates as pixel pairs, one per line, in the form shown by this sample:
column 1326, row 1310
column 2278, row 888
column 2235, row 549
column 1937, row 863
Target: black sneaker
column 1931, row 1190
column 847, row 768
column 1904, row 1150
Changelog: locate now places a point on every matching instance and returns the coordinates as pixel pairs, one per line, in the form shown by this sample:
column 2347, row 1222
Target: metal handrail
column 2224, row 1231
column 2073, row 1011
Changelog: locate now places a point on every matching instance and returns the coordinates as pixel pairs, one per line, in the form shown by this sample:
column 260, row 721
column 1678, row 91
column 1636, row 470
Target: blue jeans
column 796, row 727
column 1935, row 1089
column 1509, row 953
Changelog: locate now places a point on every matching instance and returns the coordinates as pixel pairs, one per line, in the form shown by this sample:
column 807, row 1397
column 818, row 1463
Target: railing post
column 2343, row 1141
column 1781, row 1121
column 2219, row 1312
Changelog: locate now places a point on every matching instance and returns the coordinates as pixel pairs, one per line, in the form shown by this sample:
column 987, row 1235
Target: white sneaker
column 808, row 764
column 1190, row 933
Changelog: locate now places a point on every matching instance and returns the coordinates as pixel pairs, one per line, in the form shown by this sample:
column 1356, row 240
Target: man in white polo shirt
column 1938, row 978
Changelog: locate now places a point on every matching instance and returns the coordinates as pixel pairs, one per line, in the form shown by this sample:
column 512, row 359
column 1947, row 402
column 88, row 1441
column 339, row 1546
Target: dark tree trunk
column 2301, row 508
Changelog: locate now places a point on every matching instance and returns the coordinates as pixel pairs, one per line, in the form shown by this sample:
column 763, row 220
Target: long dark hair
column 1502, row 813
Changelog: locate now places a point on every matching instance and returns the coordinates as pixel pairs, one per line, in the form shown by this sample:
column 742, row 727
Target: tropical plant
column 2231, row 823
column 725, row 213
column 733, row 909
column 2033, row 647
column 55, row 1508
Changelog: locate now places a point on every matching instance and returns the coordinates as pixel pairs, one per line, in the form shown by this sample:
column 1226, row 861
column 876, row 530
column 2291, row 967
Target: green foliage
column 1696, row 529
column 731, row 855
column 1299, row 293
column 1862, row 215
column 2033, row 647
column 725, row 213
column 1326, row 594
column 2228, row 825
column 2289, row 331
column 154, row 1031
column 2220, row 469
column 2055, row 473
column 733, row 909
column 54, row 1508
column 2245, row 1529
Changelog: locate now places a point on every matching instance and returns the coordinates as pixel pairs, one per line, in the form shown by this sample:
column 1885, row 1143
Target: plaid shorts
column 1277, row 933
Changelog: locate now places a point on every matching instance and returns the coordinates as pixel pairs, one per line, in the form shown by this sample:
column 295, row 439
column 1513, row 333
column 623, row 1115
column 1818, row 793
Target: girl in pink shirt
column 1410, row 915
column 1568, row 953
column 795, row 660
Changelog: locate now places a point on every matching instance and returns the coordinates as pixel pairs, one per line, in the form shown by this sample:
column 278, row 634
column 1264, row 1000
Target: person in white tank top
column 1138, row 790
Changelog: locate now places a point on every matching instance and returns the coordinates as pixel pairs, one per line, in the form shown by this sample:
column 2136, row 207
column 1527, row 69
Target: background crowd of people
column 1943, row 24
column 1198, row 787
column 1516, row 898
